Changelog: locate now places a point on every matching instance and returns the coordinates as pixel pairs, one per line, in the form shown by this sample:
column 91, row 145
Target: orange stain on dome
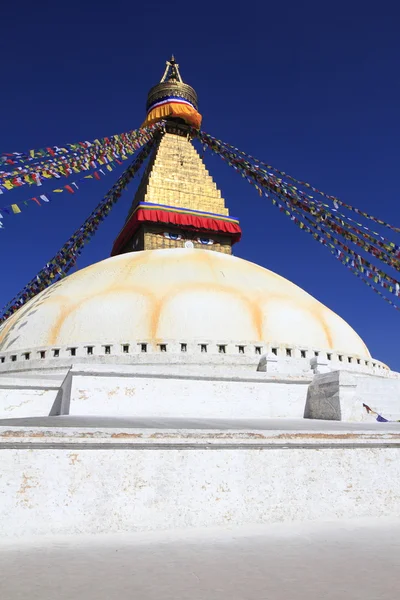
column 161, row 276
column 253, row 309
column 68, row 311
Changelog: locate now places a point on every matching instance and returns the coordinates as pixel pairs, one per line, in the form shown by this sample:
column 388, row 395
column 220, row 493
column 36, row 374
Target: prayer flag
column 381, row 419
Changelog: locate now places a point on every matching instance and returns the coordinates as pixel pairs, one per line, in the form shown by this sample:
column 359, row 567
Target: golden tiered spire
column 177, row 203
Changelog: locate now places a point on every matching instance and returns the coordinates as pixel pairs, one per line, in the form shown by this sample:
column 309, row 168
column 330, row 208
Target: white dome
column 182, row 294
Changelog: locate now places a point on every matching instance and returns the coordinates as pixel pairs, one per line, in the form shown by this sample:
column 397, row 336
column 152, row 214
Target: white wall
column 340, row 395
column 380, row 394
column 21, row 397
column 129, row 480
column 168, row 394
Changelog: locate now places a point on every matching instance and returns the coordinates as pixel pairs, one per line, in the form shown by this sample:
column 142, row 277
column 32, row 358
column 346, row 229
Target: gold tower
column 177, row 203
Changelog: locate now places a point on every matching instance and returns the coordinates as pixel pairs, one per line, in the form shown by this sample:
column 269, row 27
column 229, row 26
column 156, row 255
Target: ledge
column 170, row 434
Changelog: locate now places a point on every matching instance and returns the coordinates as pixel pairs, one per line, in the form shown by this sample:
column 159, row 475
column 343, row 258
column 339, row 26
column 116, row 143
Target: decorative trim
column 169, row 100
column 170, row 88
column 243, row 351
column 173, row 215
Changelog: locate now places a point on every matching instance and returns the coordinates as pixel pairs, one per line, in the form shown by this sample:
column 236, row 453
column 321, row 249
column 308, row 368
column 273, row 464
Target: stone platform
column 221, row 386
column 75, row 475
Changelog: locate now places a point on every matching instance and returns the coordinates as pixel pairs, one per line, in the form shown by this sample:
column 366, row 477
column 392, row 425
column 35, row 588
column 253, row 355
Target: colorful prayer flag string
column 14, row 158
column 67, row 256
column 379, row 417
column 73, row 186
column 321, row 221
column 97, row 155
column 216, row 143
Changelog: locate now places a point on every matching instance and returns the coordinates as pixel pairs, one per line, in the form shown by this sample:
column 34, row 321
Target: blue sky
column 309, row 88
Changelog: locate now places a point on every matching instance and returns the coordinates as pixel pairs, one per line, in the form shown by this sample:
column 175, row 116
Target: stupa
column 174, row 384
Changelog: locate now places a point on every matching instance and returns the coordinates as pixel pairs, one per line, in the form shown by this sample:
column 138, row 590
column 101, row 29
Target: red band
column 192, row 221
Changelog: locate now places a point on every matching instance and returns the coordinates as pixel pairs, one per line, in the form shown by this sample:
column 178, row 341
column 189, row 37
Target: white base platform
column 73, row 479
column 198, row 391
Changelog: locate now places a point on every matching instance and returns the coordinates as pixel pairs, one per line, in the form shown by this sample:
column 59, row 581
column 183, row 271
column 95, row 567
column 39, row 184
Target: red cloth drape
column 196, row 222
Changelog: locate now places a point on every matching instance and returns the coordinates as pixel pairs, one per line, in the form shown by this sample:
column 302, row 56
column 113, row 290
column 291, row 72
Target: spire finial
column 171, row 72
column 172, row 99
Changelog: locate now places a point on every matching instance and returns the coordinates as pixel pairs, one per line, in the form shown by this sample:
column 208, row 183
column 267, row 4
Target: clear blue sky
column 310, row 87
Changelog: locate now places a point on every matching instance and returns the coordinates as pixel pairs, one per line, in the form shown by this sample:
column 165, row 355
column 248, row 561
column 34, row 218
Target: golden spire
column 177, row 203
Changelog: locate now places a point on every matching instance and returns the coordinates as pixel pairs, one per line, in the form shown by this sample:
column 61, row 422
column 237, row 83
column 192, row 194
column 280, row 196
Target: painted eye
column 205, row 241
column 172, row 236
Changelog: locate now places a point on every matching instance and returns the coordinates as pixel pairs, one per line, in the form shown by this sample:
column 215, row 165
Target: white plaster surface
column 222, row 390
column 55, row 425
column 166, row 393
column 340, row 395
column 20, row 397
column 347, row 560
column 380, row 394
column 56, row 481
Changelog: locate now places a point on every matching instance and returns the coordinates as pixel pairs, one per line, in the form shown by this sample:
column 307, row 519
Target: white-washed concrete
column 340, row 395
column 347, row 560
column 73, row 481
column 225, row 388
column 282, row 426
column 219, row 387
column 381, row 394
column 28, row 401
column 187, row 336
column 200, row 393
column 20, row 397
